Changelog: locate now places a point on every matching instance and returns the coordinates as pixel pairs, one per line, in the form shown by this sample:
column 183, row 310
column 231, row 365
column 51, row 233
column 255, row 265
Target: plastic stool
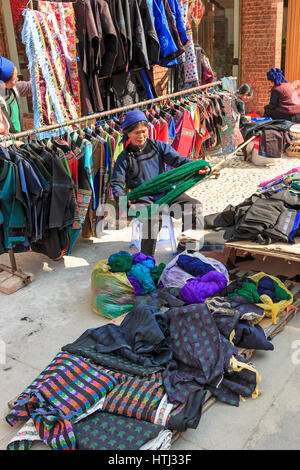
column 165, row 238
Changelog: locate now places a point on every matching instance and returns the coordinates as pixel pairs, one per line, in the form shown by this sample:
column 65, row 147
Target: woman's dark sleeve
column 274, row 98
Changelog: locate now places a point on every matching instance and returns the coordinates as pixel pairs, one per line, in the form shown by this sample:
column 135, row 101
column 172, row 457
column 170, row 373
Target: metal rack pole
column 90, row 117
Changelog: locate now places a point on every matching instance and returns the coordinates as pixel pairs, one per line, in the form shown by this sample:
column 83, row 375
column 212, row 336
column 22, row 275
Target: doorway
column 219, row 35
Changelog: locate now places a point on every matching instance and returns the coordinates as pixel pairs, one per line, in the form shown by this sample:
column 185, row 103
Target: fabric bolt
column 203, row 359
column 66, row 388
column 196, row 365
column 86, row 346
column 106, row 431
column 184, row 135
column 265, row 217
column 136, row 398
column 121, row 261
column 140, row 337
column 174, row 277
column 28, row 434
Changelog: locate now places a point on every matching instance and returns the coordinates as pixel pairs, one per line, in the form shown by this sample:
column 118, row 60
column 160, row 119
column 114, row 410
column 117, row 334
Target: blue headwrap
column 276, row 76
column 132, row 117
column 6, row 69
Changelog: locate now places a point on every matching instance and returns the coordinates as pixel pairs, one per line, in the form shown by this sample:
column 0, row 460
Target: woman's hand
column 204, row 171
column 131, row 204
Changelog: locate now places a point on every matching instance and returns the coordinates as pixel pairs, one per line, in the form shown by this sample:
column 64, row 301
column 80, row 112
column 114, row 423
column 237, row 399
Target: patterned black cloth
column 106, row 431
column 86, row 346
column 201, row 358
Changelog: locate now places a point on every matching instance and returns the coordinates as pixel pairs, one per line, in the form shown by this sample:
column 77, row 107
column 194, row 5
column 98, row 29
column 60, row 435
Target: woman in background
column 284, row 100
column 242, row 96
column 12, row 90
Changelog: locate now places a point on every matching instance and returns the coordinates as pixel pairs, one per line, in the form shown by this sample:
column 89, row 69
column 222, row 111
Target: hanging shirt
column 184, row 134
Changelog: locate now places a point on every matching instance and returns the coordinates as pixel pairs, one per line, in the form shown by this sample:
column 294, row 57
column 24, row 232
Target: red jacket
column 288, row 101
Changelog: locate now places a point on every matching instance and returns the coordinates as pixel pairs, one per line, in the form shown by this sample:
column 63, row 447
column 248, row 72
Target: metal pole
column 109, row 112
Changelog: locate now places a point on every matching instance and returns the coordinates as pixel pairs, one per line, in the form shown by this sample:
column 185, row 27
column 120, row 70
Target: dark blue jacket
column 134, row 167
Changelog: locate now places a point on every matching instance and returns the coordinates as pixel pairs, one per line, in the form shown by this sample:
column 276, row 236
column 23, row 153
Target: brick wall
column 160, row 79
column 261, row 39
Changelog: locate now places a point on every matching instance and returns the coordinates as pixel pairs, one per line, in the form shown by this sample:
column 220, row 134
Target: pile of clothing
column 270, row 215
column 131, row 386
column 141, row 270
column 272, row 138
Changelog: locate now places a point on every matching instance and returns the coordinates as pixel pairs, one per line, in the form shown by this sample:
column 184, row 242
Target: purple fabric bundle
column 197, row 290
column 146, row 260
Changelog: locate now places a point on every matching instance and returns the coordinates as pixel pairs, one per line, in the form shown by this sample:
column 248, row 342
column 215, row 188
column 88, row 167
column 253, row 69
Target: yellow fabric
column 232, row 335
column 197, row 119
column 292, row 55
column 237, row 366
column 112, row 293
column 270, row 308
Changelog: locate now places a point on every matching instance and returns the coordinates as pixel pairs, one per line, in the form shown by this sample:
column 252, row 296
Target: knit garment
column 120, row 262
column 199, row 289
column 194, row 266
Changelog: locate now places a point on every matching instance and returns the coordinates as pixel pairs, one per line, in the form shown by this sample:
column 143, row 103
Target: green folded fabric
column 173, row 182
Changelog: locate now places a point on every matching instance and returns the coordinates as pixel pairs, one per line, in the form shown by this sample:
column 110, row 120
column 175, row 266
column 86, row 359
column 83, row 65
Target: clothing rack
column 90, row 117
column 22, row 278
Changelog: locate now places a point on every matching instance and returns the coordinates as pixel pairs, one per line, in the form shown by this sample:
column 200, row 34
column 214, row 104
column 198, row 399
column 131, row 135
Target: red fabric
column 163, row 134
column 17, row 6
column 183, row 142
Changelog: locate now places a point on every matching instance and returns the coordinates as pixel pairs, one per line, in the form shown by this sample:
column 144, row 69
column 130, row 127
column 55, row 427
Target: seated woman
column 11, row 110
column 242, row 96
column 284, row 99
column 142, row 160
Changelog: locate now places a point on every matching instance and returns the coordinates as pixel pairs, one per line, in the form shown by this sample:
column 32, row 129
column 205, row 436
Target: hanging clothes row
column 98, row 46
column 53, row 189
column 115, row 37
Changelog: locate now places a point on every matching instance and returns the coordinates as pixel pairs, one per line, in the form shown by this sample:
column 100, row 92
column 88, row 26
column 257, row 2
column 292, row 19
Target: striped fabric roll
column 67, row 388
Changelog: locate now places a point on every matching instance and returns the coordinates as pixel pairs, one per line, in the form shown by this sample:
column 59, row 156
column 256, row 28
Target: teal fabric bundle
column 173, row 182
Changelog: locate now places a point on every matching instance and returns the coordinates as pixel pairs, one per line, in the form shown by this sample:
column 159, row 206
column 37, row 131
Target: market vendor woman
column 11, row 92
column 142, row 160
column 284, row 100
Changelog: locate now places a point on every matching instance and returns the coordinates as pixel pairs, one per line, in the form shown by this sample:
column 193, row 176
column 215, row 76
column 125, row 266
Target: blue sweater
column 134, row 167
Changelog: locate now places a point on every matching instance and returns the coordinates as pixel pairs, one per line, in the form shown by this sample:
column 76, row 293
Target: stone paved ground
column 238, row 180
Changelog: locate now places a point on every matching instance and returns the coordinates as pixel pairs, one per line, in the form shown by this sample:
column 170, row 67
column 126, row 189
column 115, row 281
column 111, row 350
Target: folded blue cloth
column 251, row 337
column 194, row 266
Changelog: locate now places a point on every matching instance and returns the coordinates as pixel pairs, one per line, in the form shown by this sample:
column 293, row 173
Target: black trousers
column 184, row 207
column 272, row 113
